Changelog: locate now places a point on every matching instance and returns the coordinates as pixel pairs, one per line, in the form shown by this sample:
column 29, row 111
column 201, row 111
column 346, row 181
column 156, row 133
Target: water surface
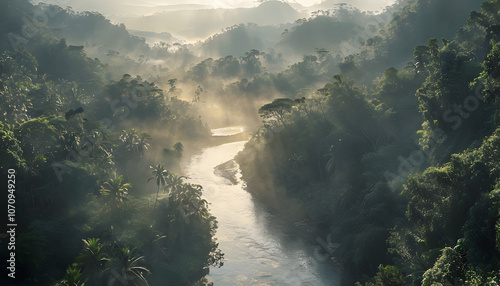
column 259, row 248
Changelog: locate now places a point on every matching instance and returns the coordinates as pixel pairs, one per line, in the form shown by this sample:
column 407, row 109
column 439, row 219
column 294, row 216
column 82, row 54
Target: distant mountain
column 240, row 39
column 364, row 5
column 199, row 24
column 341, row 32
column 334, row 29
column 121, row 8
column 152, row 37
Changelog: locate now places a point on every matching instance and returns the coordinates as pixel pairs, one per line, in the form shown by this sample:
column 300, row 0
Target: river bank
column 260, row 248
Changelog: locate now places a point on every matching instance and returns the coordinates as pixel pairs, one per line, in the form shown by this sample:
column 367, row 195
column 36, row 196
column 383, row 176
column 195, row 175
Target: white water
column 259, row 249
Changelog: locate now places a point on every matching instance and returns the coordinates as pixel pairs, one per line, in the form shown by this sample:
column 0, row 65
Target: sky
column 225, row 3
column 135, row 7
column 240, row 3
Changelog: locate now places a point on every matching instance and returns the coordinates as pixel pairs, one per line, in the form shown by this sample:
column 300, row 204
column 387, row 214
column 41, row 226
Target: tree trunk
column 156, row 200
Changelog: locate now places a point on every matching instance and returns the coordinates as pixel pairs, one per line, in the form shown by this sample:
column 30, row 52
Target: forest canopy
column 381, row 131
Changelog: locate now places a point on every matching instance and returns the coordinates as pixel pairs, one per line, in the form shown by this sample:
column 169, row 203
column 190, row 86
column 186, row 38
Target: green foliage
column 228, row 67
column 54, row 111
column 115, row 192
column 419, row 20
column 332, row 153
column 387, row 276
column 59, row 61
column 92, row 259
column 126, row 269
column 73, row 277
column 317, row 158
column 449, row 269
column 17, row 80
column 490, row 75
column 10, row 151
column 277, row 109
column 134, row 143
column 481, row 232
column 39, row 137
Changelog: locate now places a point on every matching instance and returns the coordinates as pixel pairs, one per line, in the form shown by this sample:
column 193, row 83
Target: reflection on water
column 258, row 249
column 227, row 131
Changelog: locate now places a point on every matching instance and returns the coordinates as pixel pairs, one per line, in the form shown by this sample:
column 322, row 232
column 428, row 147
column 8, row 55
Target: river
column 259, row 248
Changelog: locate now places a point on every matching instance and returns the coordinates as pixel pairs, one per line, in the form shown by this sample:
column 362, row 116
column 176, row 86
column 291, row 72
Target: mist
column 141, row 8
column 250, row 142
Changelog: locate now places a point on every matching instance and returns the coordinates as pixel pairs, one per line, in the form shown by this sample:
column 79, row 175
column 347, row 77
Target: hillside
column 198, row 24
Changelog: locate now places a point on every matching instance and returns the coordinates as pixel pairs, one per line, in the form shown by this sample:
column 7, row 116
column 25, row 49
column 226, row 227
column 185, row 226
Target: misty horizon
column 113, row 8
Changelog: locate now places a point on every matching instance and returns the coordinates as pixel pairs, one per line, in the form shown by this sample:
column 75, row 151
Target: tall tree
column 277, row 109
column 160, row 175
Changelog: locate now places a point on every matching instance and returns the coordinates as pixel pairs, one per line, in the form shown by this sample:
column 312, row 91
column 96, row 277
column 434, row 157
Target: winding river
column 259, row 248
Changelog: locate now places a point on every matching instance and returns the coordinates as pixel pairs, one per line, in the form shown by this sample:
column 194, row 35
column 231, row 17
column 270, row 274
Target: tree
column 448, row 269
column 351, row 110
column 191, row 197
column 491, row 73
column 387, row 276
column 115, row 191
column 250, row 62
column 160, row 175
column 178, row 147
column 10, row 151
column 39, row 136
column 135, row 143
column 99, row 144
column 277, row 109
column 73, row 277
column 92, row 259
column 175, row 183
column 125, row 269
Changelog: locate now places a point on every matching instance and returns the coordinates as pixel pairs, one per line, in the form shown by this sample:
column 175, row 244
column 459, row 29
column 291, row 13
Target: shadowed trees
column 93, row 260
column 125, row 269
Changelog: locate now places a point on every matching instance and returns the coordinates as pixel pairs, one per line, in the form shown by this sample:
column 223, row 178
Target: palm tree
column 134, row 142
column 115, row 191
column 141, row 144
column 160, row 175
column 175, row 184
column 92, row 259
column 73, row 277
column 126, row 270
column 191, row 199
column 128, row 138
column 99, row 143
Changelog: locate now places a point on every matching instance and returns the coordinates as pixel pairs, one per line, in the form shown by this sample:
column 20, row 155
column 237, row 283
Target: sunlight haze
column 123, row 8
